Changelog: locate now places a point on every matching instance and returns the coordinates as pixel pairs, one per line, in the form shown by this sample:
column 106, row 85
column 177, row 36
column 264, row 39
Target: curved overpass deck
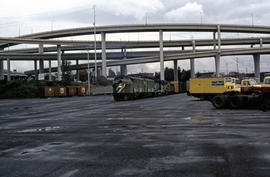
column 147, row 28
column 182, row 56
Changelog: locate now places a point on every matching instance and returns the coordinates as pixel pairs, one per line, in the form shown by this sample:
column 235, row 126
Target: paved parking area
column 174, row 135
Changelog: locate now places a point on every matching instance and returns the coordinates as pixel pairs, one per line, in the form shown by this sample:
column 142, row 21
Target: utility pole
column 252, row 19
column 227, row 71
column 237, row 64
column 52, row 24
column 95, row 41
column 201, row 16
column 146, row 18
column 19, row 30
column 88, row 74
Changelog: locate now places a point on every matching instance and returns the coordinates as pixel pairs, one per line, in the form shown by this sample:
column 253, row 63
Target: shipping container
column 72, row 91
column 176, row 85
column 60, row 91
column 81, row 91
column 47, row 92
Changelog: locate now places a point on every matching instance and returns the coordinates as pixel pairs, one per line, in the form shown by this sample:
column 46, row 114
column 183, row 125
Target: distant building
column 142, row 75
column 205, row 75
column 14, row 75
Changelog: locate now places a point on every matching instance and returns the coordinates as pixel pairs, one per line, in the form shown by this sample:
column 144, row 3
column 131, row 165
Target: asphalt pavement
column 169, row 136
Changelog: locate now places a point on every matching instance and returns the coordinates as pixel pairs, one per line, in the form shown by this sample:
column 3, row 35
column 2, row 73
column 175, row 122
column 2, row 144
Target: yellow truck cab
column 266, row 82
column 237, row 85
column 248, row 82
column 206, row 88
column 247, row 85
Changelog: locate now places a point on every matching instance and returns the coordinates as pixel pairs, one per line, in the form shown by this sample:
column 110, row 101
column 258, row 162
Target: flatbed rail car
column 129, row 88
column 207, row 88
column 259, row 96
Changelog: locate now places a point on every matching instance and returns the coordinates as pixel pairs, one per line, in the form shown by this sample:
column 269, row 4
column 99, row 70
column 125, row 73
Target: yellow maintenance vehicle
column 207, row 88
column 254, row 96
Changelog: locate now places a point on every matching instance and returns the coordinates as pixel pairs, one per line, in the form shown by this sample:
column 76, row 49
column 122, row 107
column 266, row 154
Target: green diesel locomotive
column 129, row 88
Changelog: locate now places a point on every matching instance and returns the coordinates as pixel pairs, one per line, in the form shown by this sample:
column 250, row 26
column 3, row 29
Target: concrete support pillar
column 192, row 61
column 261, row 42
column 41, row 61
column 99, row 71
column 217, row 63
column 214, row 39
column 50, row 70
column 219, row 38
column 217, row 57
column 192, row 68
column 77, row 71
column 175, row 69
column 59, row 72
column 162, row 75
column 62, row 58
column 103, row 48
column 2, row 70
column 8, row 69
column 36, row 71
column 123, row 68
column 257, row 71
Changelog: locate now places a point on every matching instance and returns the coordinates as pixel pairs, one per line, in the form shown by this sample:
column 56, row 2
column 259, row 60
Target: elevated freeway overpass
column 43, row 39
column 169, row 57
column 89, row 45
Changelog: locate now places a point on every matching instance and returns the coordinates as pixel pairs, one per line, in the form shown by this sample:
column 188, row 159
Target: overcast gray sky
column 19, row 17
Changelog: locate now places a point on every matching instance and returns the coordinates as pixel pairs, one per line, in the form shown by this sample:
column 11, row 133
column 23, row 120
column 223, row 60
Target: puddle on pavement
column 31, row 151
column 197, row 118
column 70, row 173
column 41, row 149
column 44, row 129
column 56, row 143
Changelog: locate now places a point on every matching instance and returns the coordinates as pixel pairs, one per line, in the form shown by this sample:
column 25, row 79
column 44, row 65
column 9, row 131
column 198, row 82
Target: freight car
column 128, row 88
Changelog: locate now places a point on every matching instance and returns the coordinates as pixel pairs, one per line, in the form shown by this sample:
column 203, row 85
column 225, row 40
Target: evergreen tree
column 66, row 72
column 111, row 73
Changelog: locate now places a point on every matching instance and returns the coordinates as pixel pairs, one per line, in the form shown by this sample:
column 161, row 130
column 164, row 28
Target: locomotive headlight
column 120, row 85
